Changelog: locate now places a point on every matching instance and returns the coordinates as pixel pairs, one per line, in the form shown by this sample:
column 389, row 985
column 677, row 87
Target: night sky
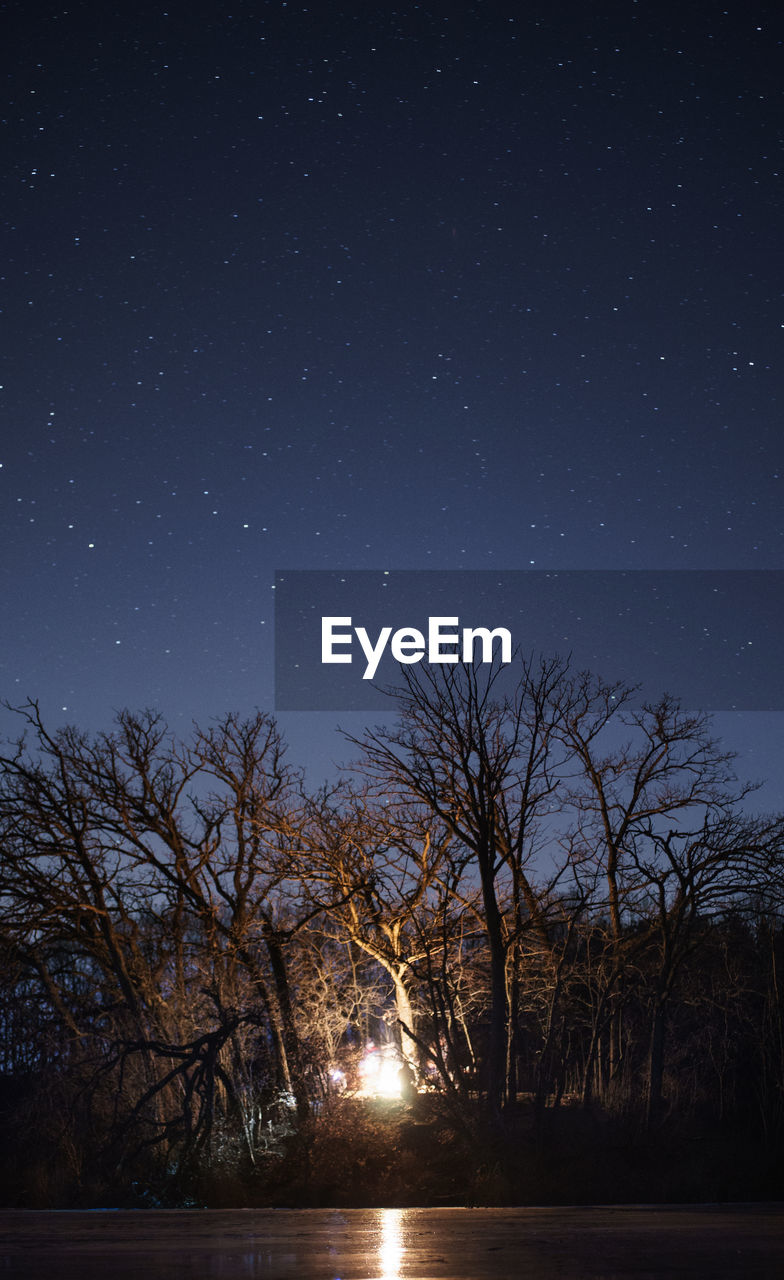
column 442, row 286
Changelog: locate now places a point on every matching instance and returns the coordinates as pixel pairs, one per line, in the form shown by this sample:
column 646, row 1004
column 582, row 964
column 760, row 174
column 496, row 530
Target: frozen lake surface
column 395, row 1244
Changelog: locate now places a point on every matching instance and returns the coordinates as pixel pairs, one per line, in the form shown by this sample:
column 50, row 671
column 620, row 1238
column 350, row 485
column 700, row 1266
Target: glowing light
column 338, row 1078
column 379, row 1073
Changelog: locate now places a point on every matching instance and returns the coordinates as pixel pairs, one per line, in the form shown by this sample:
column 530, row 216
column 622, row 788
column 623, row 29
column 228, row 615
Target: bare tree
column 483, row 762
column 174, row 870
column 636, row 770
column 686, row 877
column 381, row 862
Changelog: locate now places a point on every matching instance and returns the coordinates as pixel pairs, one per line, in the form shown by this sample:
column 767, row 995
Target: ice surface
column 396, row 1244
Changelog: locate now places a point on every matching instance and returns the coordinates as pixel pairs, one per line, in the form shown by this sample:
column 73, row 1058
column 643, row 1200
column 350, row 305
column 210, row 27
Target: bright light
column 379, row 1072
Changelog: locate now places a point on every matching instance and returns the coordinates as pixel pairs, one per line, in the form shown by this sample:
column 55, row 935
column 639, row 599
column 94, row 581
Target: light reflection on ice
column 391, row 1246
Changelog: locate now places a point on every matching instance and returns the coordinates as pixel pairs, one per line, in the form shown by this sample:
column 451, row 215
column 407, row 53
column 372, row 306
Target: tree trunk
column 499, row 1006
column 656, row 1061
column 405, row 1017
column 288, row 1046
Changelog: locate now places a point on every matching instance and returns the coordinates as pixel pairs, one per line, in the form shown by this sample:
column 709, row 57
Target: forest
column 543, row 911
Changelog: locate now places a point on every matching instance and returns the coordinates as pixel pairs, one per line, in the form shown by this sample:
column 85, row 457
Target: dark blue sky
column 440, row 286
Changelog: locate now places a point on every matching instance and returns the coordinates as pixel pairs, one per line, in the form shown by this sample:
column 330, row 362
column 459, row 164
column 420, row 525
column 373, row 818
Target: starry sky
column 343, row 286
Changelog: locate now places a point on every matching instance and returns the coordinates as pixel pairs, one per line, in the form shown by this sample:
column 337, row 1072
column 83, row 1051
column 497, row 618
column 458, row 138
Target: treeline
column 544, row 894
